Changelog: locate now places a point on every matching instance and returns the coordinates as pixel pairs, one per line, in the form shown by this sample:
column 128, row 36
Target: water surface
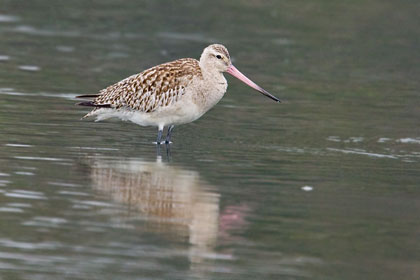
column 324, row 186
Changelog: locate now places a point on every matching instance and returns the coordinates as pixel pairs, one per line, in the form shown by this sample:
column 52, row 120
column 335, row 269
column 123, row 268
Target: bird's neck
column 214, row 79
column 211, row 74
column 213, row 87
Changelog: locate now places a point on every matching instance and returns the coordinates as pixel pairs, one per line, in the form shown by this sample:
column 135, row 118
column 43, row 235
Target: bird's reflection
column 174, row 200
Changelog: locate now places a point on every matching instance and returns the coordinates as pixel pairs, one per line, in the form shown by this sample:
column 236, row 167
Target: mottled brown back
column 156, row 87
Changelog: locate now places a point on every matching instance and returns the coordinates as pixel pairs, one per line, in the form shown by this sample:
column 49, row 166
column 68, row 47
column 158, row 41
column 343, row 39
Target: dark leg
column 168, row 151
column 168, row 136
column 159, row 137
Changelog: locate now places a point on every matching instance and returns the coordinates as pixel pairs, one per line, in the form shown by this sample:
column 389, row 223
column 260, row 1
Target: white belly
column 174, row 114
column 191, row 106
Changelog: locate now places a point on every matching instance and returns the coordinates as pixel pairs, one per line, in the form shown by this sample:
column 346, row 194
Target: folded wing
column 149, row 90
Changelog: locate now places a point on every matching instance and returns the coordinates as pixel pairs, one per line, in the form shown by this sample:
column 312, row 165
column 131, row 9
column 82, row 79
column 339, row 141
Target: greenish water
column 324, row 186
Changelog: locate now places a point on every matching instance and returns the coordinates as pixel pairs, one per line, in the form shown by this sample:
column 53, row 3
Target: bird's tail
column 87, row 103
column 88, row 96
column 91, row 104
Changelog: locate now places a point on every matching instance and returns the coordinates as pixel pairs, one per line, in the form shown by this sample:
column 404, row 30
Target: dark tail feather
column 91, row 104
column 88, row 96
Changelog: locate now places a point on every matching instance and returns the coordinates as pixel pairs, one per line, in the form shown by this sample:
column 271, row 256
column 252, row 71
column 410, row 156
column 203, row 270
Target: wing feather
column 151, row 89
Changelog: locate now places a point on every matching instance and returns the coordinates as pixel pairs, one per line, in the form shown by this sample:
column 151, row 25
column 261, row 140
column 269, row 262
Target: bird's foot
column 162, row 142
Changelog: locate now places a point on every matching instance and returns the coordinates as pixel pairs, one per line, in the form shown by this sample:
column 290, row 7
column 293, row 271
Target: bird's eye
column 218, row 56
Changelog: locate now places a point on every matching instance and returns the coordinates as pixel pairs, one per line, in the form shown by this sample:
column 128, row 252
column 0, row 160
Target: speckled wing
column 159, row 86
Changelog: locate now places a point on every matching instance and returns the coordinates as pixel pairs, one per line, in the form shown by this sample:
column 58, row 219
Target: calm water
column 324, row 186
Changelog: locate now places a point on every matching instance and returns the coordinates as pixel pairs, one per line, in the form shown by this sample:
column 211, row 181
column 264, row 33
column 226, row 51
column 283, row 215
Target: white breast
column 206, row 93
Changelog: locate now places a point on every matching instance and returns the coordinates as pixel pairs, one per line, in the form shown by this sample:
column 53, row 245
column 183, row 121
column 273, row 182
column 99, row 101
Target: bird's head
column 216, row 58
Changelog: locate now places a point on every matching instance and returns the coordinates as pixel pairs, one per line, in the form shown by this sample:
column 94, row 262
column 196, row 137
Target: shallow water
column 324, row 186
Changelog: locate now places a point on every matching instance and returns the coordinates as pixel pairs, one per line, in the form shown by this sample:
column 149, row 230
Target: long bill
column 237, row 74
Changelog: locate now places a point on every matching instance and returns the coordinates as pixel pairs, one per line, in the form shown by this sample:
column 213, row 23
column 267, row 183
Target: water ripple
column 12, row 92
column 51, row 222
column 360, row 152
column 41, row 158
column 24, row 173
column 409, row 140
column 62, row 184
column 65, row 49
column 194, row 37
column 26, row 194
column 27, row 245
column 4, row 57
column 21, row 205
column 4, row 182
column 31, row 68
column 11, row 209
column 95, row 148
column 73, row 193
column 18, row 145
column 8, row 18
column 26, row 29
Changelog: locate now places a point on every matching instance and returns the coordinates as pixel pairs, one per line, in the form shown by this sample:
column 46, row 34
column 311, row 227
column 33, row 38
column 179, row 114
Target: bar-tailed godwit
column 169, row 94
